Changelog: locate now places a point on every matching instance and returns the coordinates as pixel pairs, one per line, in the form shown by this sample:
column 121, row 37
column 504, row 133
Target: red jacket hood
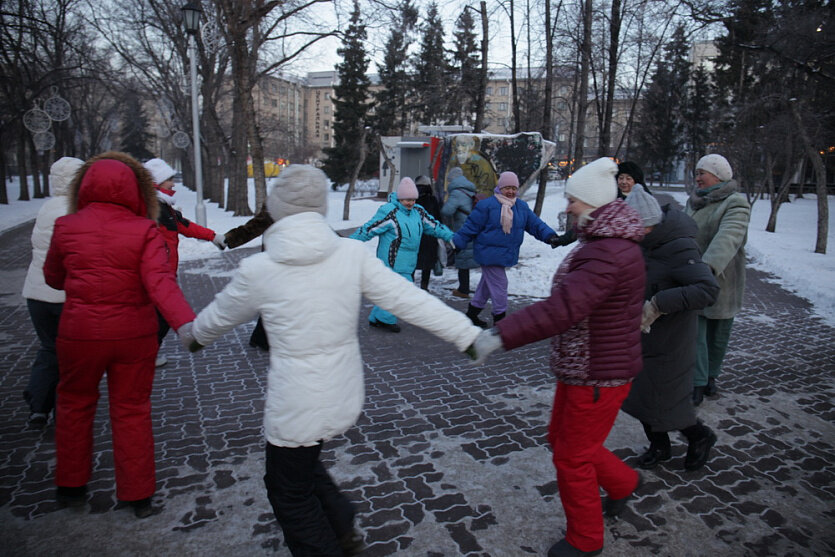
column 114, row 178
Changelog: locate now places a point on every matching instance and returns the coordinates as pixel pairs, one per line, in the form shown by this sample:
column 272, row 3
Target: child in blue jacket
column 400, row 224
column 496, row 227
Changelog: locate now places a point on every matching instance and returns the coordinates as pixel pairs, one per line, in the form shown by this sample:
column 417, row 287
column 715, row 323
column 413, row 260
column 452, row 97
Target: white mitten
column 486, row 342
column 219, row 240
column 650, row 314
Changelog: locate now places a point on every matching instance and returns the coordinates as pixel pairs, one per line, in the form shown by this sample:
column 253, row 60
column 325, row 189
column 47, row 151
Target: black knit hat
column 629, row 167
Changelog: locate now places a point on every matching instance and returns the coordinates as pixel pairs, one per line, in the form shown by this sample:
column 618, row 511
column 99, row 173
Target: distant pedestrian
column 109, row 257
column 496, row 227
column 428, row 251
column 594, row 317
column 459, row 204
column 722, row 215
column 172, row 223
column 678, row 285
column 308, row 286
column 45, row 303
column 400, row 225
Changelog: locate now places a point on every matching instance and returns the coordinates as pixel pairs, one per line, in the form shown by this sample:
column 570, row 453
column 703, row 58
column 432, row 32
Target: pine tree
column 660, row 131
column 391, row 117
column 133, row 128
column 466, row 64
column 351, row 104
column 695, row 117
column 432, row 72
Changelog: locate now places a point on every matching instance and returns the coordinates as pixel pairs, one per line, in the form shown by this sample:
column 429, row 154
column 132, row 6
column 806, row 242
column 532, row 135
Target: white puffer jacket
column 60, row 175
column 308, row 286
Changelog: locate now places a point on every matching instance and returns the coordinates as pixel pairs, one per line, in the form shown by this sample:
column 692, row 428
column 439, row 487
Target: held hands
column 486, row 342
column 187, row 337
column 650, row 314
column 219, row 240
column 558, row 241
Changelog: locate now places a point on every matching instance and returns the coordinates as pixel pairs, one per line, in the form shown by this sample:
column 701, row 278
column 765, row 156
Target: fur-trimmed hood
column 117, row 178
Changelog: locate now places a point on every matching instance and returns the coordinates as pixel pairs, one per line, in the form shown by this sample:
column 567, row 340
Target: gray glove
column 650, row 314
column 486, row 342
column 187, row 337
column 219, row 240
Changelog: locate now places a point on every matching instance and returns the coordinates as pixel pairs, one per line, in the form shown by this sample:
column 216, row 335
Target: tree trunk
column 363, row 152
column 614, row 41
column 4, row 195
column 582, row 95
column 482, row 85
column 21, row 165
column 545, row 130
column 36, row 169
column 820, row 181
column 514, row 84
column 389, row 163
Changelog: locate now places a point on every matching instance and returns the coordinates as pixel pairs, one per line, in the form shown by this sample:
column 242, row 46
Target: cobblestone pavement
column 447, row 459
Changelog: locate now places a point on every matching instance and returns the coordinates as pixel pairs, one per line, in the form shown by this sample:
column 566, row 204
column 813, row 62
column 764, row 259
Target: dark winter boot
column 472, row 313
column 659, row 448
column 614, row 507
column 498, row 317
column 142, row 508
column 710, row 388
column 564, row 549
column 698, row 395
column 71, row 496
column 700, row 440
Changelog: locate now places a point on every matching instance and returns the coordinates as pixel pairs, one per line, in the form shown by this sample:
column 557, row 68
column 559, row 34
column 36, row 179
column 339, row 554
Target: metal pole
column 200, row 209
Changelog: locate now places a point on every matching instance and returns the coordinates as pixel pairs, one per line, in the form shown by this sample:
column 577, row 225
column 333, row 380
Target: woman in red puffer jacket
column 109, row 257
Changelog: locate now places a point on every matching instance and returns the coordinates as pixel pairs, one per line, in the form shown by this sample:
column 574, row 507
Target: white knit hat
column 160, row 170
column 300, row 188
column 61, row 174
column 716, row 165
column 645, row 204
column 595, row 183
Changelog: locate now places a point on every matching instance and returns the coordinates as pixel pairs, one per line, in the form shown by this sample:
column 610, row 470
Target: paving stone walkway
column 447, row 459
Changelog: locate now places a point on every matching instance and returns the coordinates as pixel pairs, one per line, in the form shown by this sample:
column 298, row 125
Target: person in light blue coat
column 496, row 227
column 458, row 206
column 400, row 224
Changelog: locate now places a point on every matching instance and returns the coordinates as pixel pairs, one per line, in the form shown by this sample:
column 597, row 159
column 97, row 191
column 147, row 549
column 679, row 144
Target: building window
column 327, row 110
column 562, row 105
column 327, row 95
column 503, row 91
column 489, row 91
column 274, row 102
column 327, row 137
column 503, row 106
column 326, row 123
column 486, row 107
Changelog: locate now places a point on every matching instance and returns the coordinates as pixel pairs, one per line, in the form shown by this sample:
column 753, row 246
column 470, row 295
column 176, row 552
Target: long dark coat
column 428, row 252
column 682, row 284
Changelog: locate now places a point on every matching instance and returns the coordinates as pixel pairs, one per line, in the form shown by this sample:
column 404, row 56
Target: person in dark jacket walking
column 428, row 251
column 679, row 284
column 459, row 204
column 594, row 317
column 496, row 227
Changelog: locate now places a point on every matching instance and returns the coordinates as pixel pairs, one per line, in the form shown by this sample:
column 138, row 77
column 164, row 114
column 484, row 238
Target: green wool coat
column 722, row 217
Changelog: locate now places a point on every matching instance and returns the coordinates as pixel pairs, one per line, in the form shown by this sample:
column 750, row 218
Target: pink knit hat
column 508, row 179
column 407, row 189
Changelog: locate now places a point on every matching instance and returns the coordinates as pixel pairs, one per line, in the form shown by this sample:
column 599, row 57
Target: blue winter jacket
column 400, row 230
column 491, row 246
column 457, row 208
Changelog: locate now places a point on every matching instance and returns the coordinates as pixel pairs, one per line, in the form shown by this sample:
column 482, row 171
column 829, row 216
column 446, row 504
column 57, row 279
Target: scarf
column 507, row 212
column 165, row 196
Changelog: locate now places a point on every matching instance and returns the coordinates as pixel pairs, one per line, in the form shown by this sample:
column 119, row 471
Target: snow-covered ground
column 788, row 254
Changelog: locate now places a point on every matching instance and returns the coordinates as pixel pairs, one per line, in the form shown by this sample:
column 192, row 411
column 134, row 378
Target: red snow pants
column 580, row 422
column 129, row 365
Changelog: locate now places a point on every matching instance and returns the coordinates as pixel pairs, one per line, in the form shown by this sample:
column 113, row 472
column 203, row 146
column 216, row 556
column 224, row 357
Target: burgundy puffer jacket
column 109, row 257
column 595, row 304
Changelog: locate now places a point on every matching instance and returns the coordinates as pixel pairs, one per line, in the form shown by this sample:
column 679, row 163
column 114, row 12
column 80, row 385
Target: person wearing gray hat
column 722, row 214
column 308, row 286
column 678, row 285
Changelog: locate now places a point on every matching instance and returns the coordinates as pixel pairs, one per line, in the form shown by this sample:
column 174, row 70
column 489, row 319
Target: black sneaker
column 142, row 508
column 710, row 388
column 614, row 507
column 71, row 496
column 698, row 451
column 393, row 327
column 37, row 419
column 653, row 456
column 698, row 395
column 564, row 549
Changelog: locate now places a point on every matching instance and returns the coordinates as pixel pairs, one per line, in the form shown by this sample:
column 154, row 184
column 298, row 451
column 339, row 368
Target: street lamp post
column 191, row 18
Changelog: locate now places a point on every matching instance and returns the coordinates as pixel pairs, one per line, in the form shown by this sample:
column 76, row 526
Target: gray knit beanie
column 645, row 205
column 300, row 188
